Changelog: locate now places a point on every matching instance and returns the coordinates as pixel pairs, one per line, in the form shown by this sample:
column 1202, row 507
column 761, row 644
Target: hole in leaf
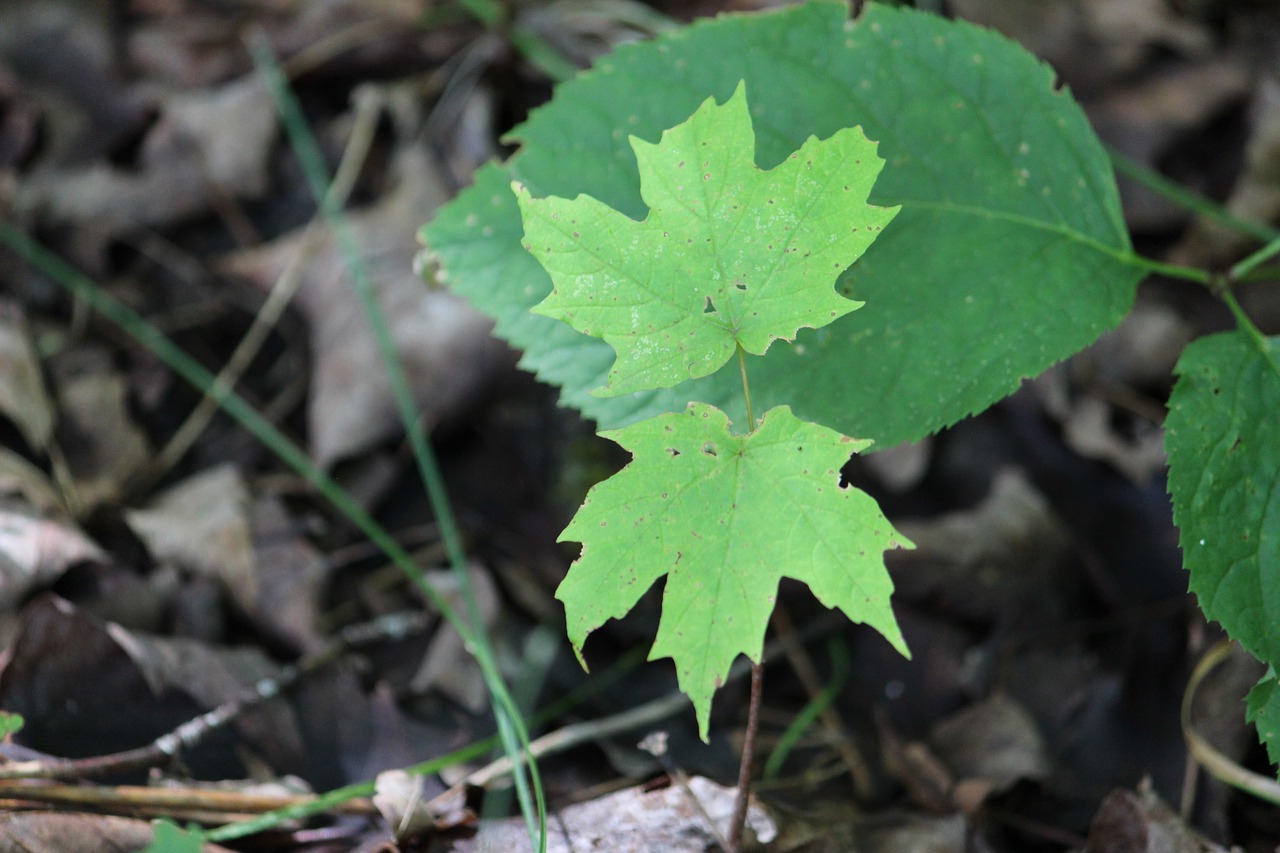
column 709, row 448
column 740, row 285
column 709, row 308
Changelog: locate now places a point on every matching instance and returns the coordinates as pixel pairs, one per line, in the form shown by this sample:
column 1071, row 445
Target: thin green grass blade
column 511, row 727
column 809, row 713
column 337, row 796
column 233, row 404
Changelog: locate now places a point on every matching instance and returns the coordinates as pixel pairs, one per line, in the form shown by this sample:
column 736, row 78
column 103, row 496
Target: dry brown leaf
column 1256, row 194
column 289, row 581
column 1144, row 118
column 989, row 747
column 1091, row 43
column 927, row 781
column 1139, row 822
column 196, row 47
column 894, row 833
column 632, row 821
column 401, row 799
column 28, row 486
column 1002, row 560
column 19, row 124
column 1126, row 372
column 87, row 687
column 63, row 53
column 202, row 526
column 901, row 468
column 35, row 552
column 187, row 162
column 59, row 832
column 445, row 345
column 214, row 675
column 102, row 445
column 447, row 665
column 23, row 398
column 1142, row 351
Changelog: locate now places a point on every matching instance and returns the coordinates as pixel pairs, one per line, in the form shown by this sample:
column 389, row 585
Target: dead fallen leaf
column 448, row 666
column 1108, row 398
column 191, row 48
column 28, row 486
column 401, row 800
column 1139, row 822
column 58, row 832
column 1091, row 432
column 1091, row 43
column 900, row 469
column 892, row 833
column 90, row 688
column 186, row 163
column 201, row 525
column 102, row 445
column 214, row 675
column 35, row 552
column 1142, row 351
column 445, row 345
column 354, row 734
column 63, row 53
column 23, row 398
column 1144, row 118
column 988, row 747
column 1256, row 194
column 1002, row 560
column 19, row 124
column 64, row 673
column 632, row 821
column 289, row 581
column 928, row 782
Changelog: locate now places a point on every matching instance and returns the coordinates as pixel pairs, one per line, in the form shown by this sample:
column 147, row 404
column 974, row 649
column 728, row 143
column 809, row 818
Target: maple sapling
column 729, row 259
column 1010, row 254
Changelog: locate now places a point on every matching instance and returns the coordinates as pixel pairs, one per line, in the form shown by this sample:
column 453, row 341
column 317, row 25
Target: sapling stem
column 739, row 818
column 746, row 390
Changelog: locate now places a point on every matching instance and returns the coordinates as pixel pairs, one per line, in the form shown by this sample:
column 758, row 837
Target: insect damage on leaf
column 730, row 255
column 724, row 517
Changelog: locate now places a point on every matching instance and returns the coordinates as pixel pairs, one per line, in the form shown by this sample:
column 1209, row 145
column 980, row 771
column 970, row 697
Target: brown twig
column 170, row 802
column 739, row 820
column 802, row 665
column 164, row 749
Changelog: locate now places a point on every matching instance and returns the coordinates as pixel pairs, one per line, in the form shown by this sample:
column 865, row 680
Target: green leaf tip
column 729, row 255
column 1223, row 442
column 1263, row 710
column 724, row 517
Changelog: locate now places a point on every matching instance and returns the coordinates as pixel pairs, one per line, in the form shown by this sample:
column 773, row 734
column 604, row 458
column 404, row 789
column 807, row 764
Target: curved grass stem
column 511, row 727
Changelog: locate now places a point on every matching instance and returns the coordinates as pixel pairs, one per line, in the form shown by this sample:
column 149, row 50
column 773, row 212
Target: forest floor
column 157, row 561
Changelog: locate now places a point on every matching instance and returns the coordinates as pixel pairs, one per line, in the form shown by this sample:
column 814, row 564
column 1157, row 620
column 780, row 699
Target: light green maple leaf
column 724, row 517
column 729, row 254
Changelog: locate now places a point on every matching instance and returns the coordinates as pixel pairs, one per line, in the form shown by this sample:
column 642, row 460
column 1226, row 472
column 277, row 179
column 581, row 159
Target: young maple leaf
column 725, row 517
column 729, row 254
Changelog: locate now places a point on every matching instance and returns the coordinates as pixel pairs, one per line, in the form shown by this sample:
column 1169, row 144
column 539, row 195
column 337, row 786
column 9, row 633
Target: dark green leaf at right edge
column 1264, row 713
column 1010, row 252
column 1222, row 436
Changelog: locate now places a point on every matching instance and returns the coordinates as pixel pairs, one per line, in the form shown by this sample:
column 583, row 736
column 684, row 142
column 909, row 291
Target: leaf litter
column 1029, row 716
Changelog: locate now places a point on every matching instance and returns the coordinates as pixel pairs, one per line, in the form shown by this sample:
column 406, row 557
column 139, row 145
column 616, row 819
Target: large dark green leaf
column 1009, row 253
